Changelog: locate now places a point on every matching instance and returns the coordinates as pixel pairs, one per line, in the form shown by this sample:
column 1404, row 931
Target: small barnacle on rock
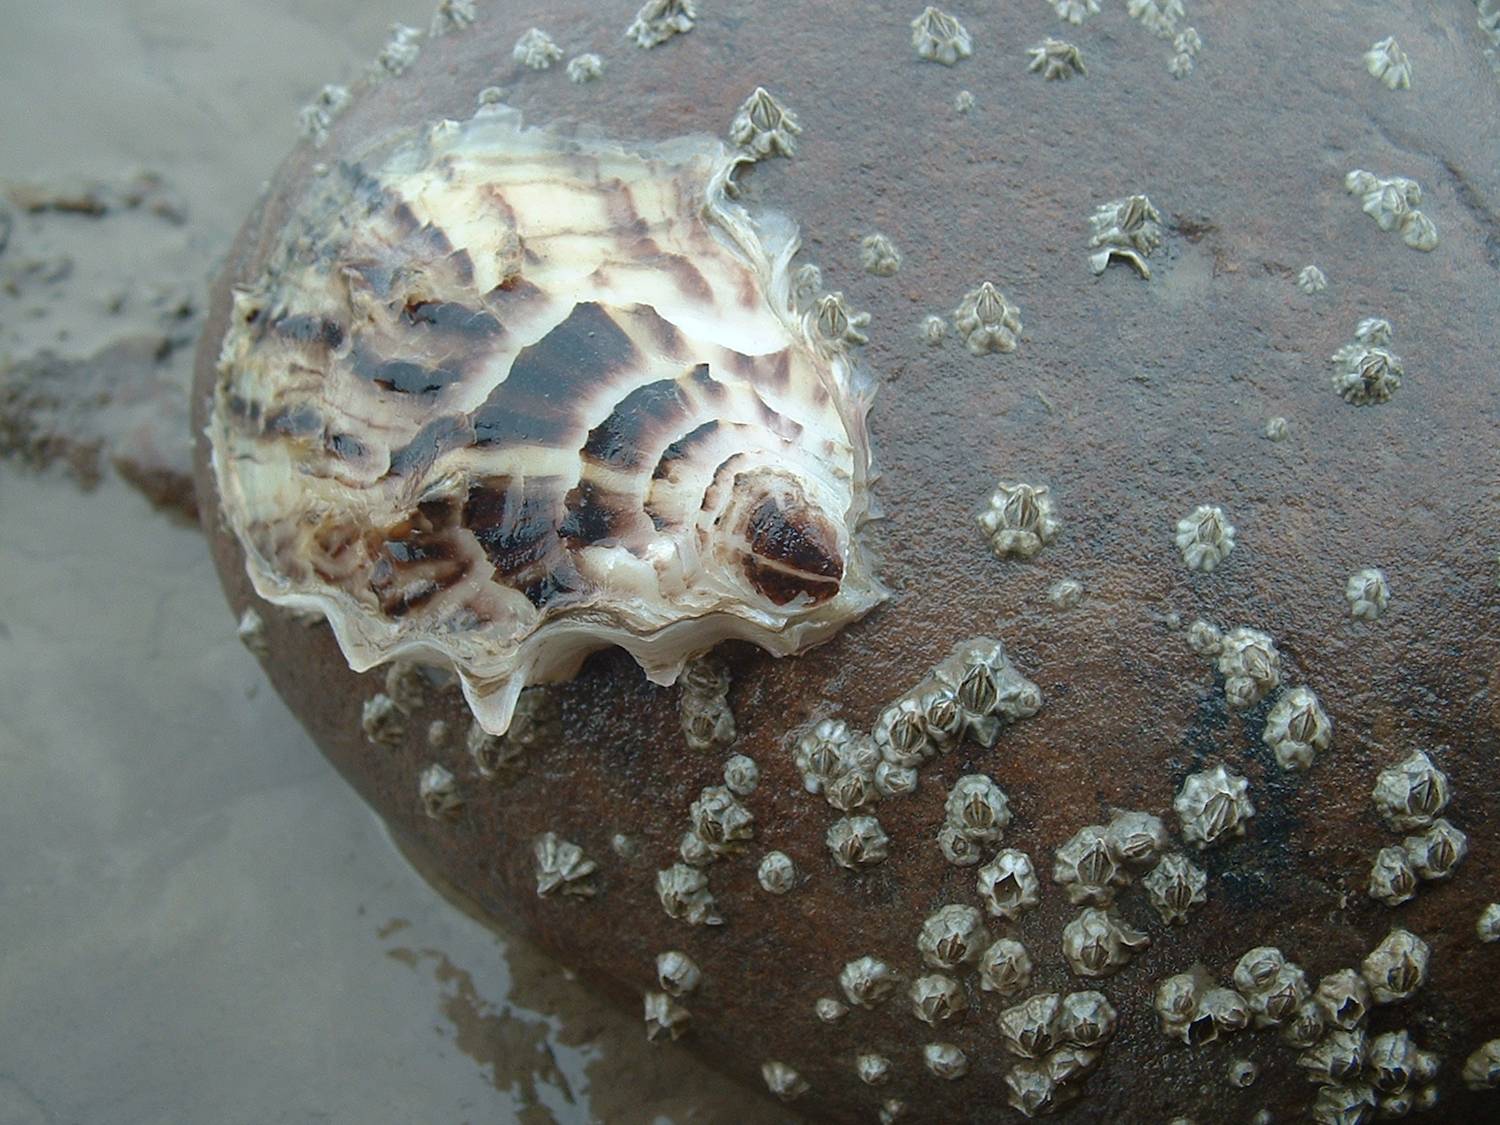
column 873, row 1069
column 561, row 867
column 1098, row 943
column 677, row 973
column 1055, row 59
column 1227, row 1008
column 400, row 50
column 952, row 936
column 1174, row 886
column 1005, row 967
column 878, row 254
column 1297, row 729
column 1029, row 1029
column 741, row 775
column 807, row 285
column 1213, row 805
column 1368, row 593
column 1136, row 838
column 1176, row 1003
column 316, row 117
column 1337, row 1057
column 819, row 752
column 1086, row 866
column 1274, row 988
column 684, row 895
column 1487, row 927
column 1019, row 520
column 720, row 821
column 1126, row 228
column 1159, row 16
column 1187, row 41
column 1205, row 537
column 1250, row 665
column 536, row 50
column 943, row 718
column 958, row 849
column 665, row 1018
column 1419, row 232
column 987, row 321
column 936, row 998
column 407, row 684
column 451, row 15
column 1437, row 852
column 978, row 808
column 1305, row 1026
column 835, row 323
column 938, row 37
column 437, row 789
column 1086, row 1019
column 1032, row 1089
column 1008, row 884
column 1395, row 1062
column 659, row 20
column 1066, row 593
column 1393, row 880
column 764, row 127
column 932, row 330
column 1073, row 11
column 1388, row 62
column 782, row 1080
column 1242, row 1073
column 867, row 981
column 777, row 873
column 695, row 851
column 1276, row 429
column 703, row 703
column 1312, row 280
column 1343, row 1105
column 252, row 632
column 585, row 68
column 1482, row 1068
column 901, row 733
column 963, row 101
column 830, row 1010
column 891, row 1111
column 1393, row 204
column 382, row 721
column 1411, row 794
column 1344, row 998
column 1204, row 638
column 895, row 781
column 437, row 734
column 857, row 841
column 945, row 1060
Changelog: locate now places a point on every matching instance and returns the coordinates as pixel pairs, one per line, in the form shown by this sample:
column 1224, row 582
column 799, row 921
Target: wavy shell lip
column 504, row 397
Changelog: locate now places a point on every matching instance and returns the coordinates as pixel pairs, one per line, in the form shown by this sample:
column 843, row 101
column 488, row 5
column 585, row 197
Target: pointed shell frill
column 504, row 397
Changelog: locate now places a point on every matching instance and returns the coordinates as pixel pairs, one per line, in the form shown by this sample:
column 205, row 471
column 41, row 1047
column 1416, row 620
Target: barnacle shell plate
column 504, row 397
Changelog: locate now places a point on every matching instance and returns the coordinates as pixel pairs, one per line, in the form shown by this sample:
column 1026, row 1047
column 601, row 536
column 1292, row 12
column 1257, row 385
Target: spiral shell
column 504, row 397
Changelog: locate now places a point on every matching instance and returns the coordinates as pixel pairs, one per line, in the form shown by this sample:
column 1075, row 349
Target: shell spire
column 504, row 397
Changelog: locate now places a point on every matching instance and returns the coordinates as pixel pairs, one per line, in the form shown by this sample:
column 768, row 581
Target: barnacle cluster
column 1412, row 795
column 939, row 37
column 1055, row 59
column 764, row 127
column 1060, row 1041
column 1185, row 47
column 1388, row 62
column 659, row 20
column 1205, row 537
column 561, row 867
column 1394, row 205
column 707, row 720
column 1019, row 519
column 720, row 826
column 1366, row 371
column 1191, row 1008
column 987, row 321
column 1126, row 229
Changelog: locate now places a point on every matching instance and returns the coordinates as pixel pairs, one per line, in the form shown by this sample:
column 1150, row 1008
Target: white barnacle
column 1031, row 1089
column 1086, row 1019
column 878, row 255
column 818, row 752
column 407, row 684
column 829, row 1010
column 1336, row 1058
column 1305, row 1026
column 1018, row 520
column 1174, row 886
column 901, row 733
column 1393, row 204
column 1159, row 16
column 963, row 101
column 720, row 821
column 891, row 1111
column 838, row 326
column 1087, row 867
column 536, row 50
column 1394, row 1062
column 777, row 873
column 684, row 895
column 1073, row 11
column 895, row 781
column 763, row 127
column 1482, row 1068
column 1187, row 41
column 437, row 789
column 987, row 321
column 1098, row 942
column 252, row 632
column 562, row 868
column 1419, row 232
column 703, row 704
column 1029, row 1029
column 1205, row 638
column 1297, row 729
column 1241, row 1073
column 437, row 734
column 1250, row 665
column 659, row 20
column 741, row 775
column 952, row 936
column 1411, row 794
column 978, row 808
column 958, row 849
column 1344, row 998
column 1393, row 880
column 1213, row 805
column 677, row 973
column 1008, row 885
column 946, row 1060
column 1136, row 838
column 1388, row 62
column 1437, row 852
column 1487, row 926
column 867, row 981
column 782, row 1080
column 1176, row 1004
column 1343, row 1104
column 1055, row 59
column 1227, row 1008
column 1128, row 229
column 989, row 690
column 1367, row 593
column 400, row 50
column 586, row 67
column 665, row 1018
column 1275, row 993
column 1066, row 593
column 382, row 721
column 938, row 37
column 451, row 15
column 932, row 330
column 1005, row 968
column 316, row 118
column 857, row 841
column 1276, row 428
column 1181, row 65
column 936, row 998
column 873, row 1069
column 1205, row 537
column 1312, row 280
column 1397, row 967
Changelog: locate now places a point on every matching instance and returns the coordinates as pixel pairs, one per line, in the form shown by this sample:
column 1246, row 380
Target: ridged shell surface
column 506, row 396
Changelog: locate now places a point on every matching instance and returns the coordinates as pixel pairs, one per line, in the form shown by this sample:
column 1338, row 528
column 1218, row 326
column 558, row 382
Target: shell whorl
column 505, row 397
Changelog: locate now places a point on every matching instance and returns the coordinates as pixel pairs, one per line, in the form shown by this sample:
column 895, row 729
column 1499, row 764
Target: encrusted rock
column 1213, row 806
column 1019, row 520
column 1174, row 886
column 987, row 321
column 938, row 37
column 1297, row 729
column 1098, row 943
column 562, row 868
column 1205, row 537
column 1008, row 885
column 1250, row 665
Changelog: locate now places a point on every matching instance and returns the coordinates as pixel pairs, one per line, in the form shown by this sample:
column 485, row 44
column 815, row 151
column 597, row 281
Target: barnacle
column 1030, row 1028
column 503, row 445
column 659, row 20
column 382, row 721
column 1437, row 852
column 720, row 821
column 764, row 127
column 317, row 116
column 677, row 973
column 252, row 632
column 1250, row 665
column 1005, row 967
column 938, row 37
column 1098, row 943
column 707, row 720
column 1055, row 59
column 1368, row 593
column 783, row 1081
column 777, row 873
column 1338, row 1057
column 873, row 1069
column 1205, row 638
column 857, row 841
column 1073, row 11
column 665, row 1018
column 585, row 68
column 1086, row 1019
column 1482, row 1068
column 1019, row 520
column 936, row 998
column 1344, row 998
column 987, row 321
column 830, row 1010
column 1343, row 1104
column 1066, row 593
column 1213, row 805
column 1411, row 794
column 1160, row 16
column 1393, row 880
column 1312, row 280
column 1088, row 868
column 932, row 330
column 451, row 15
column 1305, row 1026
column 1487, row 926
column 878, row 254
column 1276, row 429
column 1128, row 229
column 946, row 1060
column 1297, row 729
column 1227, row 1009
column 952, row 936
column 867, row 981
column 561, row 867
column 536, row 50
column 1388, row 62
column 1205, row 537
column 1396, row 968
column 400, row 50
column 1136, row 838
column 684, row 895
column 1174, row 886
column 963, row 101
column 978, row 809
column 437, row 789
column 1393, row 204
column 1008, row 885
column 1395, row 1062
column 1031, row 1089
column 1242, row 1073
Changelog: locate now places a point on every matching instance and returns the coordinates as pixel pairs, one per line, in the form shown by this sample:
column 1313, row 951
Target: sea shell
column 505, row 397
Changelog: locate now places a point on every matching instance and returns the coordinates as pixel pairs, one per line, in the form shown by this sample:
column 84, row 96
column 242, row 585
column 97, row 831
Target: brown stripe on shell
column 451, row 317
column 597, row 515
column 516, row 524
column 401, row 376
column 622, row 440
column 439, row 436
